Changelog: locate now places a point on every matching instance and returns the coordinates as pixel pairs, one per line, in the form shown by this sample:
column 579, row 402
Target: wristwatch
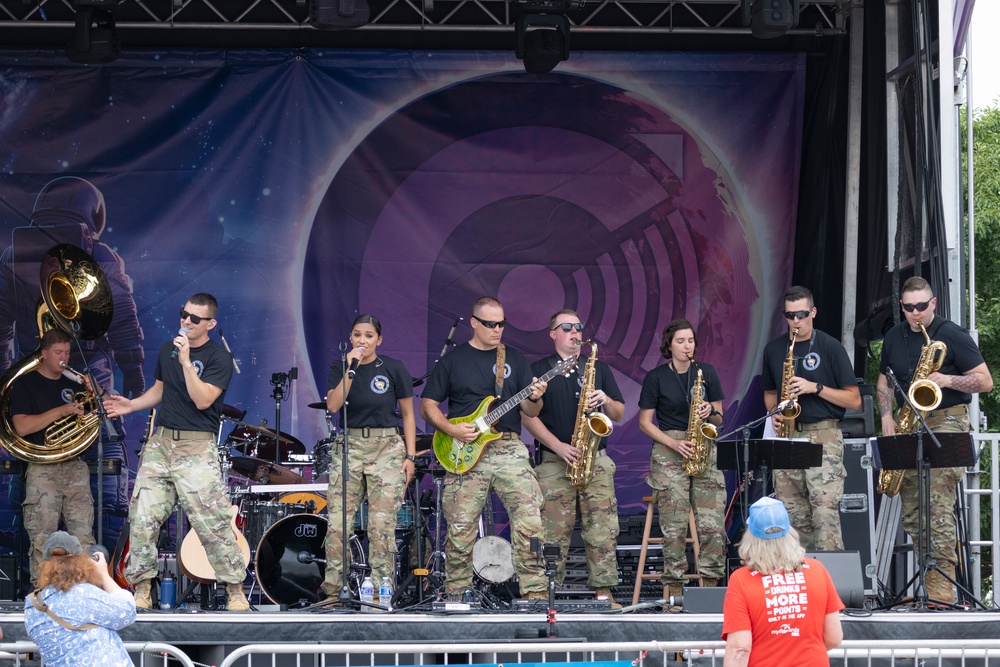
column 819, row 388
column 411, row 457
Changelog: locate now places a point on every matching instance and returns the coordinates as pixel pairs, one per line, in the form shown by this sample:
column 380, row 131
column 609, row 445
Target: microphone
column 306, row 557
column 71, row 374
column 448, row 342
column 236, row 366
column 181, row 332
column 352, row 371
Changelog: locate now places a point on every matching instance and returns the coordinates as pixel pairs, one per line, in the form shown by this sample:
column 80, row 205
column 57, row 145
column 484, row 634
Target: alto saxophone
column 699, row 431
column 591, row 427
column 792, row 409
column 924, row 394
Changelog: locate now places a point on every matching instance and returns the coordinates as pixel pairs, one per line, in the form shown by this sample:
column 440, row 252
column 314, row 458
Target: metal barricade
column 151, row 654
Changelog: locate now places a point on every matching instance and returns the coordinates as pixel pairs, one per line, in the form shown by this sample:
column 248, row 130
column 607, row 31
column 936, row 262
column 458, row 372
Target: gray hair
column 779, row 554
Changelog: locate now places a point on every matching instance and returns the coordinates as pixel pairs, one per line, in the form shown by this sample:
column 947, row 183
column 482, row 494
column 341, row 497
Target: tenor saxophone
column 787, row 427
column 591, row 427
column 700, row 432
column 924, row 394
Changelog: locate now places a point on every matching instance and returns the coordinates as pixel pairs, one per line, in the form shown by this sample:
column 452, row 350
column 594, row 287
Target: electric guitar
column 460, row 457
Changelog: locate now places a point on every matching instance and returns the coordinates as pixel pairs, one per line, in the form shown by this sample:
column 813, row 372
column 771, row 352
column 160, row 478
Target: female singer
column 380, row 462
column 664, row 408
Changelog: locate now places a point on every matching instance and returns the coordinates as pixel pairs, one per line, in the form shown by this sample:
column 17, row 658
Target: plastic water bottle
column 367, row 593
column 385, row 593
column 168, row 590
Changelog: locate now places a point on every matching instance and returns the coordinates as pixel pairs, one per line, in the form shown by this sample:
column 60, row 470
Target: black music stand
column 907, row 452
column 766, row 454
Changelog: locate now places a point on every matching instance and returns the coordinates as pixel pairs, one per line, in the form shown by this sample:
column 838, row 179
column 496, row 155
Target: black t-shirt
column 178, row 411
column 669, row 393
column 820, row 359
column 562, row 398
column 466, row 375
column 901, row 351
column 374, row 394
column 33, row 394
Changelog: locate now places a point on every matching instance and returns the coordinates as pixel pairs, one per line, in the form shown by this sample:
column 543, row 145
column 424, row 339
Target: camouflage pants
column 53, row 490
column 943, row 482
column 374, row 465
column 506, row 468
column 184, row 470
column 676, row 495
column 812, row 496
column 598, row 516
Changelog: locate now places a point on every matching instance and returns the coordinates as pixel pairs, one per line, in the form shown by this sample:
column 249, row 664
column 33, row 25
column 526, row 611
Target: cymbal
column 233, row 412
column 319, row 405
column 265, row 443
column 264, row 472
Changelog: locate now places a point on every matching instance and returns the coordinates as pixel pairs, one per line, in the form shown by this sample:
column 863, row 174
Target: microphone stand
column 344, row 599
column 280, row 382
column 105, row 422
column 448, row 342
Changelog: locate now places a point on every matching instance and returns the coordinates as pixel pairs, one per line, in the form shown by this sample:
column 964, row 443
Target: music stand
column 767, row 454
column 907, row 452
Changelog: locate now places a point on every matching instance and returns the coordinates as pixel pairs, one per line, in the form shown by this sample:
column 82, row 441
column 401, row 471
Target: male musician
column 824, row 385
column 180, row 462
column 962, row 374
column 465, row 377
column 52, row 490
column 554, row 454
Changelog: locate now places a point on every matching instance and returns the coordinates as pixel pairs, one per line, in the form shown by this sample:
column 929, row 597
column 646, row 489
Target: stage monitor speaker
column 707, row 600
column 845, row 570
column 8, row 577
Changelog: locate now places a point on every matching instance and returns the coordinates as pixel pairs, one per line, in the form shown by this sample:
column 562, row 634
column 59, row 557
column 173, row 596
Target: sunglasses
column 569, row 326
column 490, row 324
column 195, row 319
column 919, row 307
column 801, row 314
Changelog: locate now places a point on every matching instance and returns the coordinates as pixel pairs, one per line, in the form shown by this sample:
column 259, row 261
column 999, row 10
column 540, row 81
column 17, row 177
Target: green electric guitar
column 460, row 457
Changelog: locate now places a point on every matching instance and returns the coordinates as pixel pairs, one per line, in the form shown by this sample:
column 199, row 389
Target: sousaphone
column 76, row 297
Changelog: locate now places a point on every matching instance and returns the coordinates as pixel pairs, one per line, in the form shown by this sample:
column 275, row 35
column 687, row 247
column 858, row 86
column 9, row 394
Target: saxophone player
column 962, row 373
column 822, row 382
column 51, row 490
column 665, row 414
column 553, row 430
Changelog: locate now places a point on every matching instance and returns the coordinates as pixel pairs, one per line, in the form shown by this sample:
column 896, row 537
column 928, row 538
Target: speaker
column 8, row 577
column 845, row 570
column 857, row 511
column 706, row 600
column 773, row 18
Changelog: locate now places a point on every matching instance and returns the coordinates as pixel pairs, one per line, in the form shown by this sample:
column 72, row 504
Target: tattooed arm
column 973, row 381
column 884, row 395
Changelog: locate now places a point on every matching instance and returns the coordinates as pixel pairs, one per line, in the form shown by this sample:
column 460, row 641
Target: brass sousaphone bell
column 76, row 297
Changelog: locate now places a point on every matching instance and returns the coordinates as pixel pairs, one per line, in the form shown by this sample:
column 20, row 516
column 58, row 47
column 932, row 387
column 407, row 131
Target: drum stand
column 437, row 562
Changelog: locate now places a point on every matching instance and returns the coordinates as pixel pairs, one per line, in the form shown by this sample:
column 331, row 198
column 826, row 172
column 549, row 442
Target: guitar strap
column 501, row 360
column 39, row 604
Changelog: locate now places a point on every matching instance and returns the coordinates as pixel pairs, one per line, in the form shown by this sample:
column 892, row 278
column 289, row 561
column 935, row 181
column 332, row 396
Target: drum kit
column 283, row 517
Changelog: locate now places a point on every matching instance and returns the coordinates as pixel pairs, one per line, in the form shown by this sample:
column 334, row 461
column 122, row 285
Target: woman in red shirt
column 782, row 608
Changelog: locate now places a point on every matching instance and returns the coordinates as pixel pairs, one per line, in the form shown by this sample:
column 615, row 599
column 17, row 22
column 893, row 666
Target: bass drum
column 284, row 577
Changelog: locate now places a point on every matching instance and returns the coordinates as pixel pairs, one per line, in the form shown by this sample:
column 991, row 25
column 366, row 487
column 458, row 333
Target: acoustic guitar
column 193, row 561
column 460, row 457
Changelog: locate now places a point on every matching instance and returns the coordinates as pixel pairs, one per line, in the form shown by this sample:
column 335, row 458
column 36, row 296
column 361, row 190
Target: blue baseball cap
column 768, row 519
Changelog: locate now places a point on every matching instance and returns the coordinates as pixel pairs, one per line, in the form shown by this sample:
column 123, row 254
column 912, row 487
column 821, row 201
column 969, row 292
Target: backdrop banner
column 304, row 187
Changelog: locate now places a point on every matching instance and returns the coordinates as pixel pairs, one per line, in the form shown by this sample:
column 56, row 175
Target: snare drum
column 259, row 515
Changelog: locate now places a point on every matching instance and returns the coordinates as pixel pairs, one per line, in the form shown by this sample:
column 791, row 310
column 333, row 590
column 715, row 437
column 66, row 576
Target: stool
column 640, row 573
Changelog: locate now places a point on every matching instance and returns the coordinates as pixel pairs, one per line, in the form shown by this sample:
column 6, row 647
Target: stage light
column 95, row 39
column 542, row 41
column 770, row 18
column 338, row 14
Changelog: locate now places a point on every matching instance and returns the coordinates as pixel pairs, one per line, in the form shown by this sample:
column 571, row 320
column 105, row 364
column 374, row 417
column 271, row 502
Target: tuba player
column 553, row 431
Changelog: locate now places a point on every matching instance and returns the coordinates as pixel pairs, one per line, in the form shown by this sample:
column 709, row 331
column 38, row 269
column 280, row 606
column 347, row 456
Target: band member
column 553, row 430
column 52, row 490
column 664, row 411
column 380, row 461
column 962, row 374
column 180, row 461
column 824, row 386
column 464, row 377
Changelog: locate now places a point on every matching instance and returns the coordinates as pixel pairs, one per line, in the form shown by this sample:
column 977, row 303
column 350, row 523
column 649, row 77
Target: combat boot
column 938, row 587
column 675, row 591
column 537, row 595
column 605, row 592
column 143, row 594
column 235, row 599
column 708, row 582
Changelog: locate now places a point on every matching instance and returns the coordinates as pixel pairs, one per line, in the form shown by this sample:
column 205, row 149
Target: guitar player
column 464, row 377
